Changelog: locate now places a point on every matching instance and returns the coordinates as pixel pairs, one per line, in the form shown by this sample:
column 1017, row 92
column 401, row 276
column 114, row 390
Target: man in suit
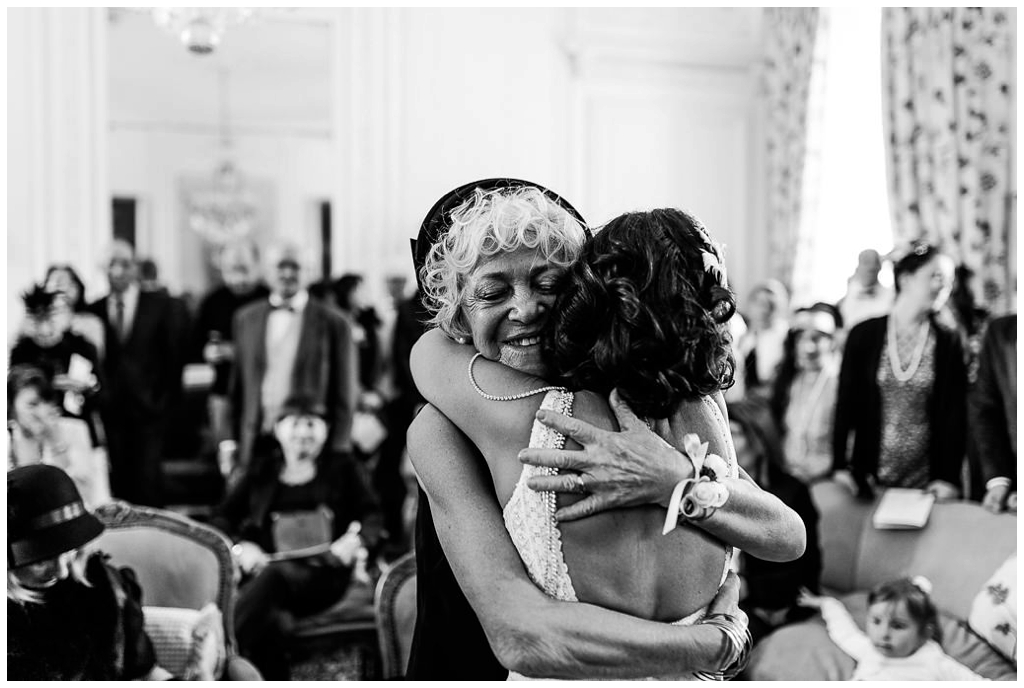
column 992, row 411
column 291, row 345
column 143, row 364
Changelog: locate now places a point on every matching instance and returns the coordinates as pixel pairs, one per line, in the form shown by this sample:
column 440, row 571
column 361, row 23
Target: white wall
column 617, row 109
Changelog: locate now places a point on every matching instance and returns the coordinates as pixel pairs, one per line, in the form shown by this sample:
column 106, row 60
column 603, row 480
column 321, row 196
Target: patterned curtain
column 791, row 34
column 949, row 77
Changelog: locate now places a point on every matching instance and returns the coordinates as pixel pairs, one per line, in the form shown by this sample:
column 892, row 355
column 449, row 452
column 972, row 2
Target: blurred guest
column 64, row 280
column 737, row 332
column 38, row 433
column 149, row 277
column 804, row 395
column 213, row 338
column 145, row 356
column 69, row 361
column 349, row 296
column 992, row 408
column 964, row 315
column 903, row 387
column 70, row 614
column 769, row 590
column 391, row 484
column 865, row 297
column 312, row 508
column 290, row 345
column 767, row 325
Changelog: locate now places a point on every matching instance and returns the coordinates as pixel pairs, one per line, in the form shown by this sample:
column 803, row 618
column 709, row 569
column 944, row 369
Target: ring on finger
column 581, row 487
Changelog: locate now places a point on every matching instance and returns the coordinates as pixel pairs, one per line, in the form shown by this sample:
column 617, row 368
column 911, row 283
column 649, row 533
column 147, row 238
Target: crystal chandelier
column 200, row 28
column 227, row 208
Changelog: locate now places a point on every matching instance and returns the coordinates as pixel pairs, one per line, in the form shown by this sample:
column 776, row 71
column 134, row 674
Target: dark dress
column 449, row 643
column 772, row 587
column 81, row 632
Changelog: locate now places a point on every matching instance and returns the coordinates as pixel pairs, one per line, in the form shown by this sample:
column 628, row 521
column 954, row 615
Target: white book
column 902, row 508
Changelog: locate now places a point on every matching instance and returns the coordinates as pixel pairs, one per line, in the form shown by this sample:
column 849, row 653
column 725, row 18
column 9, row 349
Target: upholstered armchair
column 185, row 569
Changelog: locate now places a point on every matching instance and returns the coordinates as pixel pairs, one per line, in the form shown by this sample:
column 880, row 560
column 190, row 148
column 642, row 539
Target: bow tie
column 283, row 306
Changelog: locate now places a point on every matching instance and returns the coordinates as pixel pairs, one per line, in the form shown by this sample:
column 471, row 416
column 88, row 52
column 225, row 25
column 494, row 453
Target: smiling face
column 892, row 630
column 301, row 436
column 507, row 302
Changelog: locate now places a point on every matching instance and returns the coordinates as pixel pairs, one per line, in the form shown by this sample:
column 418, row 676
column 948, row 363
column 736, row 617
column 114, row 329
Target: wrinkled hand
column 250, row 557
column 808, row 599
column 626, row 468
column 942, row 490
column 995, row 498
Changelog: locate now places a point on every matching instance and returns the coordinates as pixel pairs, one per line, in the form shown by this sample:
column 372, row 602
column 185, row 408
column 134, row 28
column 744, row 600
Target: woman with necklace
column 903, row 387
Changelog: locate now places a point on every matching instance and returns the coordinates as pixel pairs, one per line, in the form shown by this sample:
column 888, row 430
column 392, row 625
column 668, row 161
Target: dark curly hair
column 643, row 314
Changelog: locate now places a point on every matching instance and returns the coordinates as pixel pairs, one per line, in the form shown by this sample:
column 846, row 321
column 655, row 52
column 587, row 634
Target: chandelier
column 200, row 28
column 226, row 208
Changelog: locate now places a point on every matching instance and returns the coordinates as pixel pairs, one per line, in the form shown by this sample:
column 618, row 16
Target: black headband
column 439, row 219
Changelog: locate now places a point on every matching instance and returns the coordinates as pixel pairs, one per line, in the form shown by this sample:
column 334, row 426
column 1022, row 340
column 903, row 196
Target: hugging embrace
column 580, row 499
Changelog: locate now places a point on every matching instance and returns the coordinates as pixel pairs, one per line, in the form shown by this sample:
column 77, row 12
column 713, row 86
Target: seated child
column 901, row 642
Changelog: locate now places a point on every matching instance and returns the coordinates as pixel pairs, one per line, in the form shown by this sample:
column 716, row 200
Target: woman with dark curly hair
column 642, row 309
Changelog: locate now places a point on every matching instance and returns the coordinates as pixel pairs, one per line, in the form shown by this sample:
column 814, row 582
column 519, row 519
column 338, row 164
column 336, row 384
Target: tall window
column 848, row 208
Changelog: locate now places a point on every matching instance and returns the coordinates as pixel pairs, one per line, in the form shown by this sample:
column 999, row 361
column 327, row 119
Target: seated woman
column 39, row 434
column 639, row 312
column 70, row 615
column 302, row 517
column 769, row 589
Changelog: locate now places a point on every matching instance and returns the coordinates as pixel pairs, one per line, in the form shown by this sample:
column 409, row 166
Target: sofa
column 958, row 550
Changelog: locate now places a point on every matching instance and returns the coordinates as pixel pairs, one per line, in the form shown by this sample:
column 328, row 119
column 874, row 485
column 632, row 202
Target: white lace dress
column 530, row 521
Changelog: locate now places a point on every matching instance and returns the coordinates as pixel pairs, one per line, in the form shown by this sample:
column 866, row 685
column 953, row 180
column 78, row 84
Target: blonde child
column 901, row 640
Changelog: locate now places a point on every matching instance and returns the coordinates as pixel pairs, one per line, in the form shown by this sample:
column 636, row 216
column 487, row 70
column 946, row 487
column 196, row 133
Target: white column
column 368, row 131
column 58, row 207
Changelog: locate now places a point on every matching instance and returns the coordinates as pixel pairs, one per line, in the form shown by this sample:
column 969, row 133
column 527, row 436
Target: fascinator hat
column 45, row 515
column 439, row 218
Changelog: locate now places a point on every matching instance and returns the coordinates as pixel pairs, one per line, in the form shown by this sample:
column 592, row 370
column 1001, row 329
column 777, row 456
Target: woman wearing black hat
column 493, row 279
column 301, row 517
column 70, row 614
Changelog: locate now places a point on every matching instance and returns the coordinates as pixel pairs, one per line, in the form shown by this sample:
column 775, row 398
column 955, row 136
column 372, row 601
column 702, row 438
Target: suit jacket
column 992, row 406
column 325, row 371
column 859, row 404
column 143, row 372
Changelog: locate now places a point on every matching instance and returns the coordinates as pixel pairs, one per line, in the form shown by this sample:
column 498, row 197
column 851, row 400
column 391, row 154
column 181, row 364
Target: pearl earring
column 460, row 340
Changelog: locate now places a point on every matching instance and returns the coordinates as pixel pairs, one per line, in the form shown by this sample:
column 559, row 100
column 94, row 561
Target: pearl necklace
column 510, row 397
column 898, row 372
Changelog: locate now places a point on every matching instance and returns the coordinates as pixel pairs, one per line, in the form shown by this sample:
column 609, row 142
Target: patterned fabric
column 906, row 432
column 792, row 56
column 994, row 611
column 949, row 101
column 189, row 643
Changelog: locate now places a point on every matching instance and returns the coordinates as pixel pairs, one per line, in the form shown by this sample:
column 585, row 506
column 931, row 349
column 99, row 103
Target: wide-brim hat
column 45, row 515
column 439, row 218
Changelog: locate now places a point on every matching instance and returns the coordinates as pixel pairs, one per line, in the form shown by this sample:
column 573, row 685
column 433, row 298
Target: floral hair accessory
column 922, row 584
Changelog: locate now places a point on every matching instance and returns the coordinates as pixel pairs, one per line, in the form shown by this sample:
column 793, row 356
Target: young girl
column 901, row 641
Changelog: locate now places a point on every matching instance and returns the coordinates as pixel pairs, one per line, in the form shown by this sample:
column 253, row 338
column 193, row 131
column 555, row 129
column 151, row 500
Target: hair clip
column 922, row 584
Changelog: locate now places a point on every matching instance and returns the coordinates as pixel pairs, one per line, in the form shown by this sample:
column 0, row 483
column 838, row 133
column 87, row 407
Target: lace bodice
column 530, row 515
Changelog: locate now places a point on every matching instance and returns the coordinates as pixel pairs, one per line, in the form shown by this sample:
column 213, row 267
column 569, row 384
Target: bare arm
column 635, row 466
column 529, row 632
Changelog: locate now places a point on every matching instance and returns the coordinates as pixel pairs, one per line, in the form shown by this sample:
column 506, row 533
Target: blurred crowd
column 298, row 396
